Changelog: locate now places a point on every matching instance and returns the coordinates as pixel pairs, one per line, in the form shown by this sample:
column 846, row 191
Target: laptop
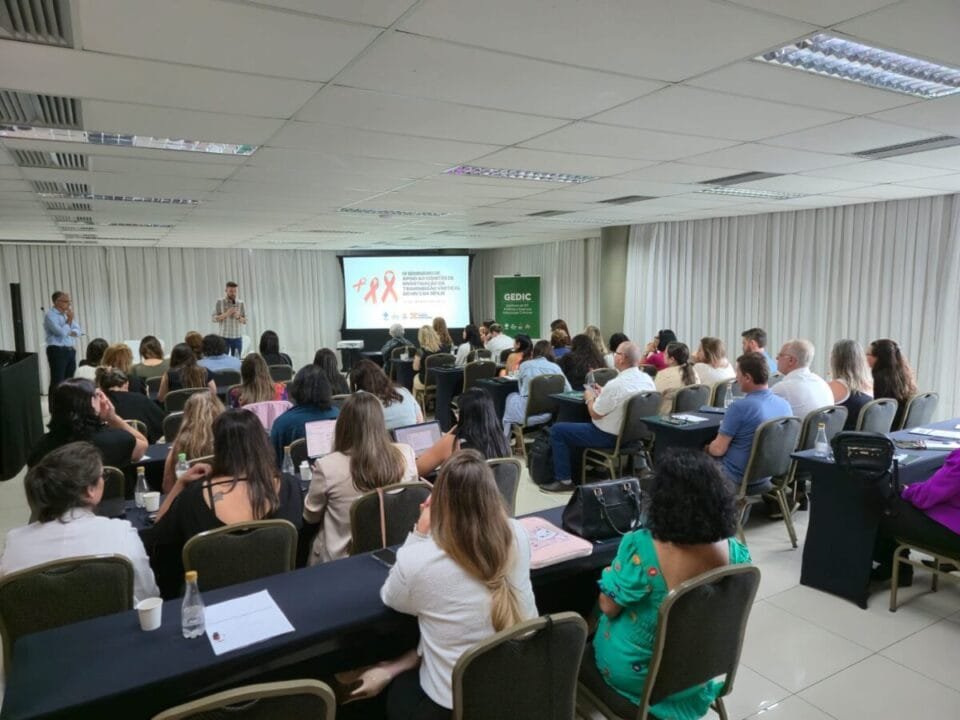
column 420, row 437
column 319, row 435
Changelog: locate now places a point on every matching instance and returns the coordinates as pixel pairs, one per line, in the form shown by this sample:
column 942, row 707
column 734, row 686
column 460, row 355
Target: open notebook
column 319, row 435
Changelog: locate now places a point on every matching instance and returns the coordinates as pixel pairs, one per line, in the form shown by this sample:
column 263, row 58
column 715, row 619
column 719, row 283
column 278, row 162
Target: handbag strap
column 383, row 518
column 598, row 493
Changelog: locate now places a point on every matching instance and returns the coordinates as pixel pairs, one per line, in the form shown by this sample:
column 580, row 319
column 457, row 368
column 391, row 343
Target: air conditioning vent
column 549, row 213
column 75, row 206
column 37, row 21
column 20, row 108
column 740, row 178
column 493, row 223
column 889, row 151
column 32, row 242
column 50, row 187
column 38, row 159
column 625, row 200
column 73, row 219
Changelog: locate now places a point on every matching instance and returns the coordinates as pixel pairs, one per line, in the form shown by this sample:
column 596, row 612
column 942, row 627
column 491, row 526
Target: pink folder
column 550, row 545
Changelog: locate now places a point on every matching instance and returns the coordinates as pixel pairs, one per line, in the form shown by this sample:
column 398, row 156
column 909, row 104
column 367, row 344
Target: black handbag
column 870, row 458
column 605, row 509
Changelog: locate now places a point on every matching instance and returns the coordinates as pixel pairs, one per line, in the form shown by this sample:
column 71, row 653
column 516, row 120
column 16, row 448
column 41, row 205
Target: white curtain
column 867, row 271
column 123, row 293
column 569, row 280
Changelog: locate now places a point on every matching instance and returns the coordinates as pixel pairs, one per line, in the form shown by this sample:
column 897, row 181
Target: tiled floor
column 808, row 655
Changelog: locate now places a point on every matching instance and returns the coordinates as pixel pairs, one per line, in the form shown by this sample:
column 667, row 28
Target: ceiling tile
column 877, row 171
column 950, row 183
column 523, row 159
column 370, row 12
column 711, row 114
column 423, row 67
column 243, row 38
column 300, row 160
column 426, row 118
column 818, row 12
column 850, row 136
column 664, row 39
column 941, row 115
column 803, row 184
column 947, row 158
column 890, row 192
column 161, row 167
column 764, row 158
column 927, row 28
column 677, row 173
column 786, row 85
column 595, row 139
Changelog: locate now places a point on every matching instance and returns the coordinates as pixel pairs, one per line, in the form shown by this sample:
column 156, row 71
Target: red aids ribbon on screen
column 371, row 296
column 389, row 280
column 359, row 284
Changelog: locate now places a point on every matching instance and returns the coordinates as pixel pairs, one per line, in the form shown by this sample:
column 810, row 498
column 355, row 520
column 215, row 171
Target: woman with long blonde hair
column 464, row 572
column 429, row 344
column 195, row 437
column 593, row 332
column 443, row 334
column 364, row 458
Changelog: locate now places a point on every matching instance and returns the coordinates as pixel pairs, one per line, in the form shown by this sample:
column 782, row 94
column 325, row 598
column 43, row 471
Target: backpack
column 540, row 459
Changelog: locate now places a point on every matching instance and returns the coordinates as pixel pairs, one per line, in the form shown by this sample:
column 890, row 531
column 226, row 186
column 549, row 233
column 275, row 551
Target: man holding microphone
column 229, row 313
column 61, row 332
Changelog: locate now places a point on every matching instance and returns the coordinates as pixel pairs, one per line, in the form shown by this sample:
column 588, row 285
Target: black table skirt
column 693, row 435
column 571, row 409
column 499, row 388
column 449, row 386
column 404, row 372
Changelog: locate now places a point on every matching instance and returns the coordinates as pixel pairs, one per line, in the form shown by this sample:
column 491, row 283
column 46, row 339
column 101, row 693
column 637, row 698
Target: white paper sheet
column 244, row 621
column 689, row 418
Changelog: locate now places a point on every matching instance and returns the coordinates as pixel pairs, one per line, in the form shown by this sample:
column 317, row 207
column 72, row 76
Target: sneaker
column 558, row 486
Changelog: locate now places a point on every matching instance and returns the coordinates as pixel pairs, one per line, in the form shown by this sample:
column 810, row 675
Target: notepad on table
column 243, row 621
column 689, row 418
column 550, row 545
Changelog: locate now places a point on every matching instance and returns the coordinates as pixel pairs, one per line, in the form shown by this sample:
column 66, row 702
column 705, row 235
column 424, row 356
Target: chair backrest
column 153, row 384
column 832, row 416
column 541, row 656
column 877, row 415
column 540, row 389
column 138, row 425
column 244, row 551
column 479, row 354
column 62, row 592
column 506, row 473
column 303, row 699
column 398, row 351
column 602, row 376
column 339, row 400
column 718, row 396
column 641, row 405
column 434, row 361
column 177, row 399
column 267, row 412
column 920, row 410
column 280, row 373
column 683, row 654
column 401, row 509
column 114, row 483
column 773, row 442
column 200, row 459
column 477, row 370
column 298, row 451
column 171, row 425
column 691, row 398
column 225, row 378
column 774, row 379
column 504, row 354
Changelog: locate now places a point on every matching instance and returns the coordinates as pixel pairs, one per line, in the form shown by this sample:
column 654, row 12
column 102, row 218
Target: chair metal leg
column 720, row 709
column 743, row 511
column 895, row 579
column 787, row 517
column 935, row 583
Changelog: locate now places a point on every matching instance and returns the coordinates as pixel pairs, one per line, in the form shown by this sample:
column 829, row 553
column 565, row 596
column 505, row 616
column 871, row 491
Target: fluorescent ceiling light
column 92, row 137
column 391, row 213
column 845, row 59
column 750, row 193
column 508, row 174
column 124, row 198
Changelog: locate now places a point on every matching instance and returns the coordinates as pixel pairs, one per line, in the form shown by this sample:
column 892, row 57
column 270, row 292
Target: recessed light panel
column 91, row 137
column 391, row 213
column 508, row 174
column 750, row 193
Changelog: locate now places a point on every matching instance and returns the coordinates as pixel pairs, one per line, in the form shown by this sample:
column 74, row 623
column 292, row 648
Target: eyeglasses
column 617, row 352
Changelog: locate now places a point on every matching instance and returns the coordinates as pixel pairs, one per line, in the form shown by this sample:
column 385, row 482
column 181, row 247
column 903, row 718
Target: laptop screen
column 319, row 437
column 420, row 437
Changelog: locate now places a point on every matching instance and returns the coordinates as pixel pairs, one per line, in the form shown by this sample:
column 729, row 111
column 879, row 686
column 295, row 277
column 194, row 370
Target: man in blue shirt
column 215, row 356
column 60, row 333
column 754, row 340
column 741, row 420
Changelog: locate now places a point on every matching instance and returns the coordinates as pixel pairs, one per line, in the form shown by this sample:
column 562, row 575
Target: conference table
column 499, row 388
column 107, row 667
column 449, row 382
column 672, row 432
column 403, row 370
column 842, row 526
column 571, row 407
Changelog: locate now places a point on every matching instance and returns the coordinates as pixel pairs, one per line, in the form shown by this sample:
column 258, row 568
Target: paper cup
column 150, row 612
column 151, row 501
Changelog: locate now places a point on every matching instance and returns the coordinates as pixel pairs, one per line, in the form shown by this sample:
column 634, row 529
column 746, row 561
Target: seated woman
column 184, row 373
column 678, row 373
column 443, row 334
column 131, row 405
column 326, row 360
column 522, row 347
column 850, row 380
column 120, row 356
column 399, row 407
column 541, row 363
column 477, row 428
column 692, row 518
column 270, row 349
column 464, row 572
column 559, row 343
column 593, row 332
column 62, row 490
column 309, row 392
column 363, row 459
column 256, row 385
column 152, row 362
column 239, row 485
column 87, row 369
column 656, row 348
column 710, row 362
column 471, row 341
column 926, row 513
column 195, row 341
column 582, row 359
column 195, row 436
column 892, row 376
column 616, row 340
column 80, row 411
column 429, row 344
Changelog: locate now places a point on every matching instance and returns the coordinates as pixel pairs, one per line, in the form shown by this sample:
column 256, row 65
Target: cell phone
column 386, row 556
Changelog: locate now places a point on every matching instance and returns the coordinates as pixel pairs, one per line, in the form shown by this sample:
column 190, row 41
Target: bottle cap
column 286, row 448
column 182, row 457
column 191, row 576
column 141, row 469
column 304, row 464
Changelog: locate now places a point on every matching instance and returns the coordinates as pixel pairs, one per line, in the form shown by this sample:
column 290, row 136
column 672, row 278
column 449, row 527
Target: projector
column 350, row 345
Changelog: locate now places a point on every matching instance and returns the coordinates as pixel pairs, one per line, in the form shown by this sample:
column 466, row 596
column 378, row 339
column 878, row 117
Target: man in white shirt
column 606, row 406
column 497, row 342
column 804, row 390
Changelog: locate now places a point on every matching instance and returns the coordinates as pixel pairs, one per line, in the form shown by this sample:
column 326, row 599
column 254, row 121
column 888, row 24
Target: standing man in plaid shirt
column 230, row 315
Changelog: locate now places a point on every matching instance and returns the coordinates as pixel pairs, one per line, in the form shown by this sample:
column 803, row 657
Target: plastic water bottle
column 182, row 465
column 287, row 468
column 821, row 447
column 191, row 613
column 141, row 487
column 306, row 474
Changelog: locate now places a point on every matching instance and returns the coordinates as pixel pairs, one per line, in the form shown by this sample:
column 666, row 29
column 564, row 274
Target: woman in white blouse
column 363, row 459
column 63, row 489
column 677, row 374
column 710, row 362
